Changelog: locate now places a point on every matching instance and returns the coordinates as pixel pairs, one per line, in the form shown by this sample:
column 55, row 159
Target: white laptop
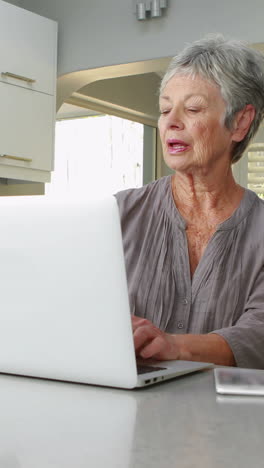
column 64, row 301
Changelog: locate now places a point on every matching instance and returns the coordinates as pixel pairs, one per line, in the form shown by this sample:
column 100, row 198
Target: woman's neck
column 206, row 195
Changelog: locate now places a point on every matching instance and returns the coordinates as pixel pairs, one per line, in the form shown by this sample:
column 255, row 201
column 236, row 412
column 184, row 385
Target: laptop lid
column 64, row 303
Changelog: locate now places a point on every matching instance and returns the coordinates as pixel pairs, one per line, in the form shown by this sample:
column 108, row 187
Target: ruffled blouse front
column 226, row 293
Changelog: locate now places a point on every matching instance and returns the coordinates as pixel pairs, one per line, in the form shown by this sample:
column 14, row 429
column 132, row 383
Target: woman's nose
column 175, row 121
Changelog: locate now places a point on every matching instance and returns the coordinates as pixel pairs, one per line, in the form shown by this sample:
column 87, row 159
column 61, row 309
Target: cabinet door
column 27, row 128
column 28, row 49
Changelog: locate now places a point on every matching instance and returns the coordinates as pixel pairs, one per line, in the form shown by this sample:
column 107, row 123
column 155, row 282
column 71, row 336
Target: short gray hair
column 237, row 69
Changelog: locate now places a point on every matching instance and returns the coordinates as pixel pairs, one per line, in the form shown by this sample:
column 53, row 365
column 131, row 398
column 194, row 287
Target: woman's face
column 191, row 125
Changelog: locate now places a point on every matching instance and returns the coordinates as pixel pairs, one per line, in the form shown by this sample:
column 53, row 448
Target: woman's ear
column 242, row 122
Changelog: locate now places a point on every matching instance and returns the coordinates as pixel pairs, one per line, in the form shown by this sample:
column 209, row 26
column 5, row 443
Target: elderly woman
column 194, row 241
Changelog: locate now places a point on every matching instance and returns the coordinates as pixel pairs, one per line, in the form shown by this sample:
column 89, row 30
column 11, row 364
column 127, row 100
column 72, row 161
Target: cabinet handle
column 17, row 158
column 18, row 77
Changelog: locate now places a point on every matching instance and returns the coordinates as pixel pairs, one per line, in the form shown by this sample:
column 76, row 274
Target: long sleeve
column 246, row 337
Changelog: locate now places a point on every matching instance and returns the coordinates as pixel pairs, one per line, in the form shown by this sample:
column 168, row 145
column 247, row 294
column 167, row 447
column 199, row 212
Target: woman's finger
column 143, row 335
column 154, row 348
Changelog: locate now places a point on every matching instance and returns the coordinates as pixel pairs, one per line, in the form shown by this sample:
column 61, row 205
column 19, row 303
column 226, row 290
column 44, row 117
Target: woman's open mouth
column 176, row 146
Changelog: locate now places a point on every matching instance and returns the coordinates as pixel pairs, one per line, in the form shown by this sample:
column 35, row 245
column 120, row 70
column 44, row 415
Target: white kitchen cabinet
column 28, row 57
column 27, row 48
column 28, row 113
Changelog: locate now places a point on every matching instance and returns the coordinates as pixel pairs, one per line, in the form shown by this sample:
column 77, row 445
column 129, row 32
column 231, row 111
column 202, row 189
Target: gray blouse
column 226, row 293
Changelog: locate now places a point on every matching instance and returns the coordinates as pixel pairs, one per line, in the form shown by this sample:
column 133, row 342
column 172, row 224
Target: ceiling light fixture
column 146, row 9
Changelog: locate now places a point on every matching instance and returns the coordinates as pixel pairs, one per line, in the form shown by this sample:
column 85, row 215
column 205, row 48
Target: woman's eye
column 193, row 109
column 165, row 111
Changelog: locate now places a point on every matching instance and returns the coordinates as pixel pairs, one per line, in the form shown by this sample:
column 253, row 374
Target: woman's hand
column 150, row 342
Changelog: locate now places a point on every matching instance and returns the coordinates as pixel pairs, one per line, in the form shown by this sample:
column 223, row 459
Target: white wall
column 98, row 35
column 105, row 33
column 95, row 33
column 15, row 2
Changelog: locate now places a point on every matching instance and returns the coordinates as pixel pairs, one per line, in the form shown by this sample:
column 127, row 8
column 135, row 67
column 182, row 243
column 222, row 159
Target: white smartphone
column 238, row 381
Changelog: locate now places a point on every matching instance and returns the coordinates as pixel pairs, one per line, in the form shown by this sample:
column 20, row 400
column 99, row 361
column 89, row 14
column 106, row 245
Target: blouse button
column 185, row 301
column 180, row 325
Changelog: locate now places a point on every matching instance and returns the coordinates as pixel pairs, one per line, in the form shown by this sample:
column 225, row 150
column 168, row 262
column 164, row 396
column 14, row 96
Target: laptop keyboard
column 143, row 369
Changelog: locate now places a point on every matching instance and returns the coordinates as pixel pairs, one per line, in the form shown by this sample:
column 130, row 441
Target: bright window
column 249, row 170
column 96, row 155
column 255, row 168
